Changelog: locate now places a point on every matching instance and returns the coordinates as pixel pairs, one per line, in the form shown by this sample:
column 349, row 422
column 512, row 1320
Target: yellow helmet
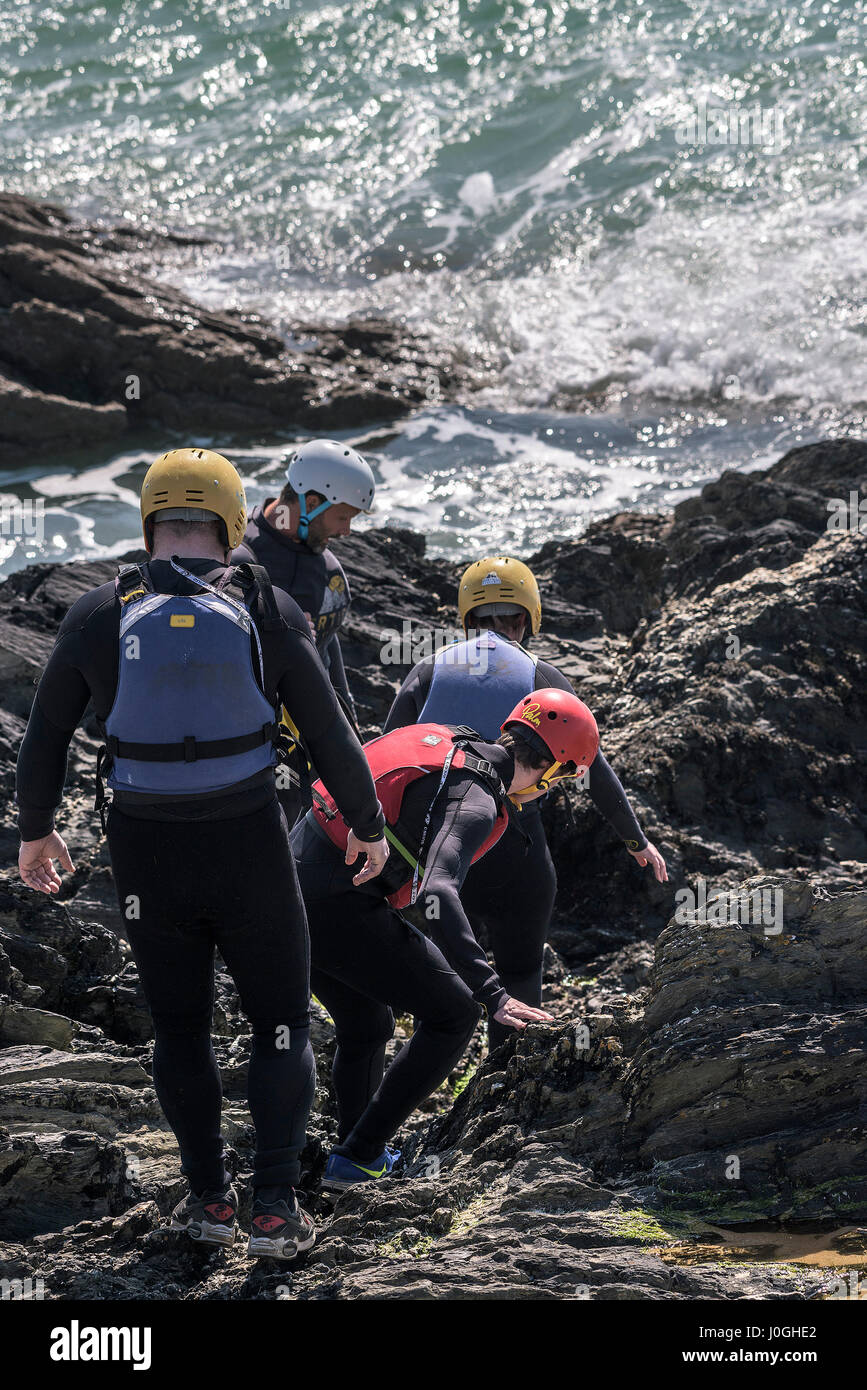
column 499, row 579
column 195, row 480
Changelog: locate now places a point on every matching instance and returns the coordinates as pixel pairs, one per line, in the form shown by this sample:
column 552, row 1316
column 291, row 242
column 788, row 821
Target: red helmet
column 563, row 723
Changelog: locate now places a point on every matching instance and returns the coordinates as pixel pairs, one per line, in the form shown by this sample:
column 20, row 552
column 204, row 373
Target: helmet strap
column 542, row 785
column 304, row 520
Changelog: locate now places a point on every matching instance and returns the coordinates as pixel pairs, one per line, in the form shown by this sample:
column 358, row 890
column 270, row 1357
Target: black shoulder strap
column 462, row 732
column 256, row 576
column 485, row 769
column 464, row 737
column 132, row 582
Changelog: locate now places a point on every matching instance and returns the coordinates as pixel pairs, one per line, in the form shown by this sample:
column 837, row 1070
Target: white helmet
column 335, row 471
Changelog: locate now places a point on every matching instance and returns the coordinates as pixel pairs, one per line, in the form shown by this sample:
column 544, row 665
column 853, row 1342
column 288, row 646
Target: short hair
column 530, row 751
column 528, row 748
column 216, row 528
column 288, row 495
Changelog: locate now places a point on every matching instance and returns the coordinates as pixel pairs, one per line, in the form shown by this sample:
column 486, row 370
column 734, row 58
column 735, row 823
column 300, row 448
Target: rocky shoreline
column 90, row 353
column 723, row 647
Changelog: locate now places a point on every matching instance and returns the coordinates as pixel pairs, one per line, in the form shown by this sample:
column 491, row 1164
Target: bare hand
column 651, row 855
column 310, row 624
column 518, row 1015
column 377, row 854
column 35, row 862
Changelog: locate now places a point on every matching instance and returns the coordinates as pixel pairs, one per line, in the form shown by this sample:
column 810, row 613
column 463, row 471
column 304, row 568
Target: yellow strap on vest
column 288, row 723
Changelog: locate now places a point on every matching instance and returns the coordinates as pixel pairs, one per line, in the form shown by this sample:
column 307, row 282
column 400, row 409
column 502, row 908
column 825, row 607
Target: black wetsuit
column 512, row 889
column 208, row 872
column 369, row 963
column 319, row 586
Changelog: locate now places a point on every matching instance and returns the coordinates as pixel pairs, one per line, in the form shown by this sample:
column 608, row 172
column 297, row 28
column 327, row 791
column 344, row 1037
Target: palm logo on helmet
column 335, row 472
column 565, row 726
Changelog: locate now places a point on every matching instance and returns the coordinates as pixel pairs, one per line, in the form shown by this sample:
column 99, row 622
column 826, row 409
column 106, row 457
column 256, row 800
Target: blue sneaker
column 342, row 1173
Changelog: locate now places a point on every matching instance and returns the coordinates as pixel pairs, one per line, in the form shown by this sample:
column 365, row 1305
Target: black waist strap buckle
column 192, row 749
column 100, row 801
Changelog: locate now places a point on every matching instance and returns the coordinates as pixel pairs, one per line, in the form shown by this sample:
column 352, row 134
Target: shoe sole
column 344, row 1184
column 283, row 1248
column 204, row 1233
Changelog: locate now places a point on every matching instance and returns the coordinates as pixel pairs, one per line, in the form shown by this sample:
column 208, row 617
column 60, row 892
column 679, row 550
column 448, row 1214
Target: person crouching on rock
column 187, row 661
column 475, row 682
column 446, row 795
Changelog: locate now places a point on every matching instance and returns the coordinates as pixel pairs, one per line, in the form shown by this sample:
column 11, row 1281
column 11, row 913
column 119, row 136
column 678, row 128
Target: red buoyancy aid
column 396, row 760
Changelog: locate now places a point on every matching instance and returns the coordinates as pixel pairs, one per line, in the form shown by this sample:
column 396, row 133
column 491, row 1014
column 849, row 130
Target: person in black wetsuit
column 512, row 890
column 369, row 962
column 204, row 862
column 328, row 485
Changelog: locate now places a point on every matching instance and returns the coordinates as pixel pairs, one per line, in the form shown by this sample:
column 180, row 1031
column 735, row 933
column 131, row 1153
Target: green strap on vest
column 401, row 849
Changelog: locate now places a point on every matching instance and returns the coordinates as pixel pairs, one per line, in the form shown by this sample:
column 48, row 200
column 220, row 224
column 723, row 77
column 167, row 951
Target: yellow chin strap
column 543, row 784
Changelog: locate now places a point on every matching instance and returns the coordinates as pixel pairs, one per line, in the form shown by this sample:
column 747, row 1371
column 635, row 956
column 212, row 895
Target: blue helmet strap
column 304, row 520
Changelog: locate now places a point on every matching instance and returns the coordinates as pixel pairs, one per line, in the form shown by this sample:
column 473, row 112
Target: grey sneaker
column 210, row 1217
column 280, row 1230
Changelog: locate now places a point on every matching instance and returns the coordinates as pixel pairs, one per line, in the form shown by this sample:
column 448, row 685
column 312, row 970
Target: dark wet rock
column 91, row 349
column 48, row 1181
column 575, row 1164
column 580, row 1160
column 56, row 954
column 19, row 1024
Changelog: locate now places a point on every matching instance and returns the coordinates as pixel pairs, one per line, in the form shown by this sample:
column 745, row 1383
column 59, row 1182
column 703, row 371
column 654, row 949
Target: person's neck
column 212, row 557
column 284, row 517
column 491, row 631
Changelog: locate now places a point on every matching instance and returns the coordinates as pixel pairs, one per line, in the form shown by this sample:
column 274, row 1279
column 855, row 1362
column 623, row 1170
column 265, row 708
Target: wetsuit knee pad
column 174, row 1025
column 370, row 1033
column 276, row 1039
column 460, row 1020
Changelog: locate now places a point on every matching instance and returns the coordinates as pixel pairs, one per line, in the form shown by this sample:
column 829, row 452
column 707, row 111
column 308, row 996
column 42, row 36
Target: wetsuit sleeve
column 608, row 796
column 605, row 789
column 307, row 693
column 548, row 676
column 62, row 697
column 410, row 699
column 457, row 831
column 337, row 671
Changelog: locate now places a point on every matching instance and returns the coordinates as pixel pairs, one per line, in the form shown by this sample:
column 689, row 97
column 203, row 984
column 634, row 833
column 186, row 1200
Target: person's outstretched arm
column 458, row 829
column 62, row 696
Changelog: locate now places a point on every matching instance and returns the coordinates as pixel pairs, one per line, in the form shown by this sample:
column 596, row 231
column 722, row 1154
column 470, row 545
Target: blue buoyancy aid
column 189, row 717
column 478, row 683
